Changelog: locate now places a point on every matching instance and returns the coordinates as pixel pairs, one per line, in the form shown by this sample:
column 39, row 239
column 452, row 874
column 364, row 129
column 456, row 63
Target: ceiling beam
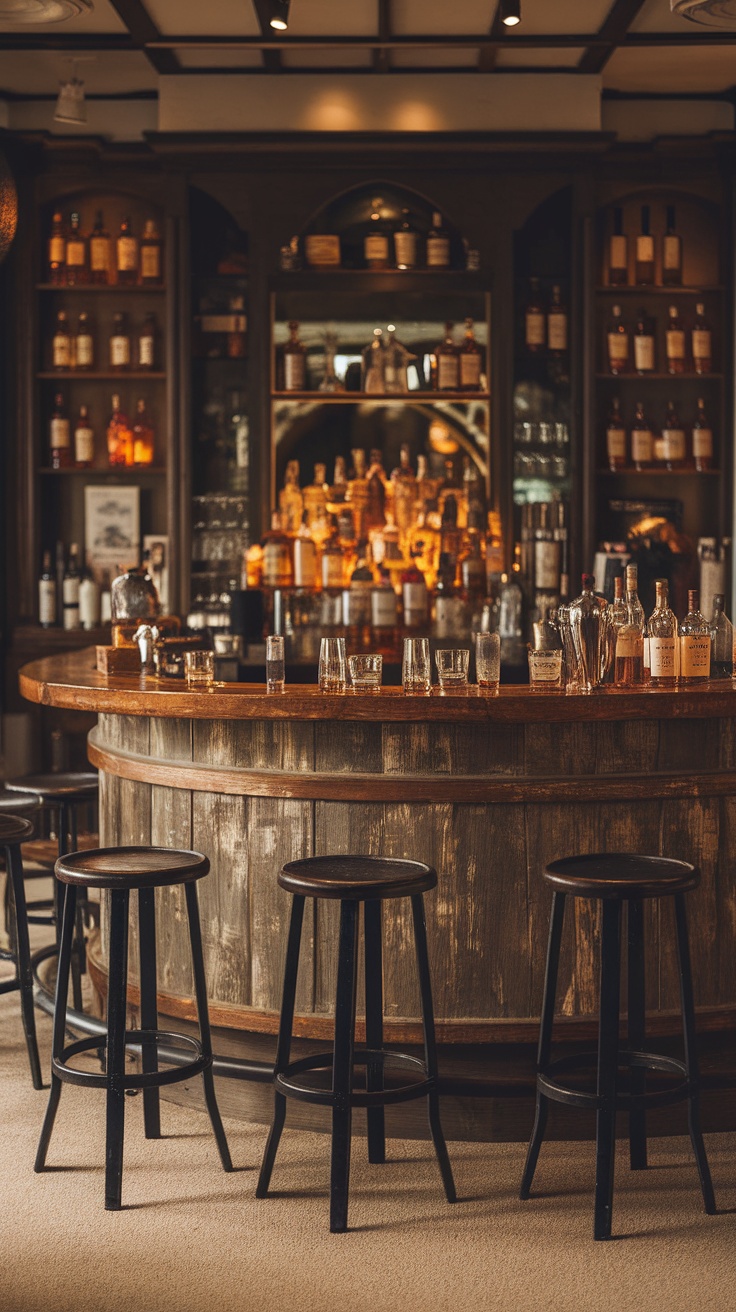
column 488, row 53
column 65, row 42
column 270, row 54
column 380, row 59
column 611, row 34
column 144, row 33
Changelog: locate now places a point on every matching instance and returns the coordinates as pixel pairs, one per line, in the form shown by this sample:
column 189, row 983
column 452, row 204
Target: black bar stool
column 352, row 880
column 617, row 878
column 15, row 830
column 121, row 869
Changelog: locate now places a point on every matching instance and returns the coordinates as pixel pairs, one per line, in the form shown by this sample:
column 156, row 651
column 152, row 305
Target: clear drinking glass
column 488, row 661
column 416, row 669
column 275, row 673
column 366, row 672
column 333, row 669
column 452, row 668
column 545, row 670
column 199, row 668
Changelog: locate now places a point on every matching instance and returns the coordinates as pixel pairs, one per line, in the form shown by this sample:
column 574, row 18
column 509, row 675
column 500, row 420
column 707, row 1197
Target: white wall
column 117, row 120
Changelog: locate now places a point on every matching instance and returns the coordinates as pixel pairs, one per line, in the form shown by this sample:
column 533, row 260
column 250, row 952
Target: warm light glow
column 8, row 207
column 510, row 12
column 512, row 20
column 279, row 24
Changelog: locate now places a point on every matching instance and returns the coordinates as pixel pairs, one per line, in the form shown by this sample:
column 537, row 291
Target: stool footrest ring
column 287, row 1084
column 136, row 1079
column 651, row 1061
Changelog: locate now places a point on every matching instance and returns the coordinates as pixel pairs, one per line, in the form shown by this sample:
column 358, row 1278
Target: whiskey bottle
column 673, row 440
column 119, row 343
column 146, row 344
column 615, row 438
column 616, row 616
column 644, row 268
column 535, row 320
column 337, row 490
column 671, row 253
column 448, row 367
column 356, row 493
column 702, row 349
column 151, row 265
column 84, row 440
column 126, row 255
column 315, row 503
column 629, row 667
column 119, row 436
column 84, row 343
column 356, row 598
column 384, row 605
column 675, row 343
column 305, row 556
column 70, row 590
column 100, row 253
column 546, row 555
column 291, row 502
column 376, row 240
column 378, row 493
column 333, row 571
column 721, row 641
column 76, row 261
column 414, row 596
column 294, row 361
column 277, row 568
column 663, row 635
column 405, row 243
column 556, row 324
column 57, row 251
column 617, row 338
column 62, row 349
column 702, row 439
column 446, row 603
column 438, row 244
column 470, row 361
column 644, row 354
column 60, row 444
column 404, row 486
column 642, row 445
column 618, row 252
column 143, row 436
column 694, row 643
column 46, row 594
column 236, row 340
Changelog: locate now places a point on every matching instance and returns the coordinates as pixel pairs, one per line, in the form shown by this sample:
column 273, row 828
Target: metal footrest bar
column 136, row 1079
column 322, row 1061
column 651, row 1061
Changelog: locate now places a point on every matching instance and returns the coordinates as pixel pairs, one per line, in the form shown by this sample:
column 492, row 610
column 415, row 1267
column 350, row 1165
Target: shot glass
column 452, row 668
column 275, row 679
column 199, row 668
column 488, row 661
column 365, row 672
column 333, row 668
column 416, row 669
column 545, row 670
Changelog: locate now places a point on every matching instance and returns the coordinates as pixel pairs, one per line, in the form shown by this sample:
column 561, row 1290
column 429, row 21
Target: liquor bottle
column 587, row 625
column 379, row 489
column 702, row 348
column 629, row 666
column 470, row 361
column 356, row 493
column 372, row 364
column 291, row 502
column 337, row 490
column 89, row 601
column 145, row 355
column 644, row 269
column 450, row 534
column 143, row 436
column 673, row 440
column 438, row 244
column 119, row 343
column 535, row 320
column 663, row 634
column 59, row 570
column 60, row 444
column 333, row 570
column 314, row 496
column 414, row 597
column 236, row 340
column 119, row 436
column 617, row 338
column 448, row 367
column 330, row 381
column 473, row 497
column 404, row 484
column 546, row 555
column 84, row 343
column 473, row 571
column 636, row 610
column 644, row 354
column 70, row 591
column 84, row 440
column 126, row 255
column 694, row 643
column 426, row 486
column 238, row 444
column 618, row 252
column 671, row 253
column 294, row 361
column 277, row 568
column 675, row 343
column 556, row 324
column 405, row 243
column 511, row 618
column 642, row 445
column 446, row 603
column 615, row 438
column 57, row 251
column 100, row 253
column 305, row 556
column 721, row 641
column 62, row 348
column 616, row 616
column 702, row 439
column 46, row 594
column 356, row 598
column 151, row 264
column 384, row 604
column 76, row 255
column 376, row 240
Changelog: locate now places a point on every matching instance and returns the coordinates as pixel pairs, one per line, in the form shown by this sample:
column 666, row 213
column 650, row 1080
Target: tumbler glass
column 488, row 661
column 452, row 668
column 199, row 667
column 333, row 670
column 275, row 678
column 365, row 672
column 416, row 669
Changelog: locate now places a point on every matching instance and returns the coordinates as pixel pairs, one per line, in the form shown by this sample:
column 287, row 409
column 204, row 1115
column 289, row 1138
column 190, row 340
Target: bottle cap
column 692, row 599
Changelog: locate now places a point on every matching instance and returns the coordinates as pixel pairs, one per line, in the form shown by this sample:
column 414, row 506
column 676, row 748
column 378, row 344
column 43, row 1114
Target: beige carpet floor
column 192, row 1239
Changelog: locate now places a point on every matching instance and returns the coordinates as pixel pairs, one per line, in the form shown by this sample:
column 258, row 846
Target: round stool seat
column 356, row 877
column 621, row 875
column 17, row 804
column 72, row 786
column 14, row 829
column 130, row 867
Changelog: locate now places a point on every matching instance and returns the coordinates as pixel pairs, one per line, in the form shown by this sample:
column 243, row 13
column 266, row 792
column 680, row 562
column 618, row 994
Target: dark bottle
column 644, row 353
column 151, row 272
column 119, row 343
column 438, row 244
column 57, row 250
column 617, row 338
column 448, row 365
column 618, row 252
column 294, row 361
column 77, row 270
column 84, row 343
column 100, row 253
column 146, row 344
column 673, row 440
column 702, row 344
column 675, row 343
column 59, row 435
column 126, row 255
column 405, row 243
column 556, row 324
column 46, row 594
column 84, row 441
column 615, row 438
column 535, row 320
column 470, row 361
column 70, row 590
column 671, row 253
column 644, row 271
column 702, row 439
column 376, row 247
column 721, row 640
column 642, row 441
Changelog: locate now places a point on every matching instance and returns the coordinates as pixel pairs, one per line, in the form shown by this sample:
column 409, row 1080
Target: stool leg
column 65, row 812
column 14, row 866
column 283, row 1045
column 82, row 899
column 374, row 1025
column 637, row 1035
column 342, row 1071
column 691, row 1057
column 200, row 989
column 430, row 1045
column 149, row 1008
column 557, row 917
column 116, row 1015
column 60, row 1001
column 605, row 1131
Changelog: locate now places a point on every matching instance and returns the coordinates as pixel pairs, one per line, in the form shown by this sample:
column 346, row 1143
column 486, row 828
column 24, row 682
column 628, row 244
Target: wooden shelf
column 668, row 378
column 657, row 471
column 658, row 291
column 96, row 289
column 106, row 471
column 381, row 280
column 360, row 398
column 88, row 375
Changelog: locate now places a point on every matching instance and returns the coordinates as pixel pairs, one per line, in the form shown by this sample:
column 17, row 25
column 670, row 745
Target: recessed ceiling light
column 713, row 13
column 510, row 12
column 42, row 11
column 279, row 15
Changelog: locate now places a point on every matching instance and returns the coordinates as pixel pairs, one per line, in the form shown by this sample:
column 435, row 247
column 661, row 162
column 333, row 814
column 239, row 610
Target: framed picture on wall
column 112, row 534
column 157, row 546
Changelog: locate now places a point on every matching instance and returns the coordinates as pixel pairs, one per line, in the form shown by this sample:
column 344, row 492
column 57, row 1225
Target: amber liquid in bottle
column 644, row 271
column 100, row 253
column 615, row 438
column 675, row 343
column 535, row 320
column 618, row 252
column 702, row 342
column 617, row 339
column 57, row 251
column 126, row 253
column 702, row 440
column 671, row 253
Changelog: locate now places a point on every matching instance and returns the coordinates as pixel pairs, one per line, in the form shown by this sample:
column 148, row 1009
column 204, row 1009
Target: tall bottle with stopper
column 615, row 438
column 291, row 502
column 644, row 269
column 671, row 252
column 721, row 641
column 587, row 625
column 663, row 639
column 629, row 657
column 618, row 252
column 694, row 643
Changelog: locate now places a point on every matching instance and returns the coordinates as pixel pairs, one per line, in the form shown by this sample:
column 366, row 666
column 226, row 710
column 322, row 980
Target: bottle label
column 375, row 247
column 332, row 569
column 629, row 642
column 447, row 372
column 662, row 657
column 305, row 563
column 57, row 247
column 414, row 596
column 671, row 253
column 545, row 666
column 535, row 328
column 84, row 445
column 59, row 434
column 145, row 352
column 62, row 352
column 448, row 614
column 694, row 656
column 618, row 253
column 151, row 263
column 275, row 564
column 71, row 615
column 701, row 343
column 119, row 351
column 99, row 254
column 644, row 353
column 641, row 445
column 469, row 369
column 618, row 347
column 702, row 443
column 675, row 344
column 383, row 608
column 89, row 604
column 127, row 254
column 322, row 250
column 70, row 592
column 46, row 601
column 647, row 656
column 673, row 443
column 74, row 253
column 645, row 249
column 85, row 351
column 616, row 443
column 294, row 372
column 405, row 246
column 557, row 331
column 547, row 566
column 438, row 252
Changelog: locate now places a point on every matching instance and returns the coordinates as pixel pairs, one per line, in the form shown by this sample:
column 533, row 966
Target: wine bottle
column 644, row 270
column 675, row 343
column 671, row 253
column 618, row 252
column 46, row 594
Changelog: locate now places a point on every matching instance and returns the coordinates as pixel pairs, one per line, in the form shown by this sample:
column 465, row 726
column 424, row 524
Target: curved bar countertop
column 487, row 789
